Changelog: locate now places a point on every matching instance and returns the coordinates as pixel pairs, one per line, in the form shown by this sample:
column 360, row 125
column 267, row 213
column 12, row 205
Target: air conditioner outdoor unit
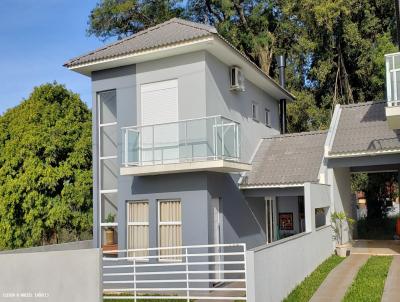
column 236, row 79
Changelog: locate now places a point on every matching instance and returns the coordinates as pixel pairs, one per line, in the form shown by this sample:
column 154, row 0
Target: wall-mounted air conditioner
column 236, row 79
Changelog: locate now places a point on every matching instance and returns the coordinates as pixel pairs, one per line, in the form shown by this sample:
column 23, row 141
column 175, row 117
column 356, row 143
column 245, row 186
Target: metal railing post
column 126, row 157
column 152, row 146
column 134, row 279
column 187, row 276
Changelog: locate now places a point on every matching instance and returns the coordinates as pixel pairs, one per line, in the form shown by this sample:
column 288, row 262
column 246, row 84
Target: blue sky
column 36, row 38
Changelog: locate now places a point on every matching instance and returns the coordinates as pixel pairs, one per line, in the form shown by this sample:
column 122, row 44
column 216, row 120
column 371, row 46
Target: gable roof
column 174, row 37
column 290, row 159
column 363, row 129
column 167, row 33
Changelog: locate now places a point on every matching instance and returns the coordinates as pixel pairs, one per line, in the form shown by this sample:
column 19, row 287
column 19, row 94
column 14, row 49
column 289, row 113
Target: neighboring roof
column 167, row 33
column 173, row 37
column 362, row 129
column 289, row 159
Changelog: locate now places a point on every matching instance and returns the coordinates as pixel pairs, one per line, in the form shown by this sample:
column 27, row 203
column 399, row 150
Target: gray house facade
column 170, row 131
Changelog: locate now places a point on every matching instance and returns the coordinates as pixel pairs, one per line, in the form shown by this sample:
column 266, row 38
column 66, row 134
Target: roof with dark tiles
column 363, row 128
column 287, row 159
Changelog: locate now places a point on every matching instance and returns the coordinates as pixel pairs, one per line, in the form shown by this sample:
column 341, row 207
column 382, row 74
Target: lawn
column 305, row 290
column 370, row 280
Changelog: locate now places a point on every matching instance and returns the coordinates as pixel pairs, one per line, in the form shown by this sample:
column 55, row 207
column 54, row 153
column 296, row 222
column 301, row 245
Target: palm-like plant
column 338, row 222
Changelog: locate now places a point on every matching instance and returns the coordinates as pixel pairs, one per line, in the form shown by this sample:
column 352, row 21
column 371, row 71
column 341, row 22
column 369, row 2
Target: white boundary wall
column 59, row 276
column 274, row 270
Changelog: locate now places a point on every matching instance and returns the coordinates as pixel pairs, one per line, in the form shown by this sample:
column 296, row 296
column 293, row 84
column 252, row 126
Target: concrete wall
column 277, row 268
column 61, row 276
column 340, row 181
column 289, row 204
column 318, row 196
column 242, row 221
column 77, row 245
column 237, row 106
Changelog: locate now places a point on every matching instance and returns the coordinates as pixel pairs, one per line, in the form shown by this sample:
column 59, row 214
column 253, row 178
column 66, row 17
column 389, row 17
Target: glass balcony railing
column 202, row 139
column 393, row 79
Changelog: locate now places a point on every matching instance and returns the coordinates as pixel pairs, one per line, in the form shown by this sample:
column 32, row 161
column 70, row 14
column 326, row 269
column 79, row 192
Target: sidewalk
column 391, row 292
column 339, row 279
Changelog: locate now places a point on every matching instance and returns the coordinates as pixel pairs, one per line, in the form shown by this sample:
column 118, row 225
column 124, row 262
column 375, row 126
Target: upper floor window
column 267, row 118
column 254, row 111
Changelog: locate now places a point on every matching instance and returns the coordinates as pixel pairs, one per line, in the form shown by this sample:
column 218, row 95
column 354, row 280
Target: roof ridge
column 363, row 104
column 208, row 28
column 305, row 133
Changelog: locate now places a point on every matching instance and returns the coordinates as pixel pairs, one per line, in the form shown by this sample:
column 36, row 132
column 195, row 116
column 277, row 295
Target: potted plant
column 110, row 230
column 339, row 221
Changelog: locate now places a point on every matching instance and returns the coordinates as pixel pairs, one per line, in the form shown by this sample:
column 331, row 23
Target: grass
column 305, row 290
column 370, row 280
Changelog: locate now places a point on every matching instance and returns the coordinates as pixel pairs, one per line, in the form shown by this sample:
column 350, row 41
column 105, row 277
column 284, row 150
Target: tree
column 45, row 169
column 334, row 48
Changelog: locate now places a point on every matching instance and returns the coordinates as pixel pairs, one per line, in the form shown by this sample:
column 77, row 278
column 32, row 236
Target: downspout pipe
column 282, row 102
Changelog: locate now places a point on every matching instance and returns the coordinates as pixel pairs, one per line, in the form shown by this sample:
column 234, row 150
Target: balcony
column 203, row 144
column 393, row 90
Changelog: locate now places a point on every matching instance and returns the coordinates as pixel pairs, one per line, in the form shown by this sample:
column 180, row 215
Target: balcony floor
column 223, row 166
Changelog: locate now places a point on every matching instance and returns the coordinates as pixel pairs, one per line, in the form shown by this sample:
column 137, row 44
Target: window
column 107, row 168
column 267, row 118
column 170, row 229
column 138, row 228
column 320, row 216
column 254, row 111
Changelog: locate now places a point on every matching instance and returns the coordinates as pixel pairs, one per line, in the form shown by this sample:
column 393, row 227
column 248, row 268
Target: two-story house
column 178, row 113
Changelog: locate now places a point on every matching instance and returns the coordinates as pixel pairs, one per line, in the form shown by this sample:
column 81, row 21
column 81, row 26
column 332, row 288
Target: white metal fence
column 206, row 272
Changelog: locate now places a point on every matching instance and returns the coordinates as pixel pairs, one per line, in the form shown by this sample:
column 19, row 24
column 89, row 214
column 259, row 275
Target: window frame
column 267, row 117
column 101, row 159
column 172, row 223
column 141, row 223
column 254, row 111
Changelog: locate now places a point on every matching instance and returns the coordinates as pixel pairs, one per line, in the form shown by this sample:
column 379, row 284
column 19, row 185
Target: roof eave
column 362, row 153
column 212, row 43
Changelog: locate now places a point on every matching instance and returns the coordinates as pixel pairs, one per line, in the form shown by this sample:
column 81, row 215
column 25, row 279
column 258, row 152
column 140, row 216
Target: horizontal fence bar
column 174, row 298
column 175, row 273
column 192, row 280
column 209, row 289
column 175, row 264
column 172, row 256
column 243, row 245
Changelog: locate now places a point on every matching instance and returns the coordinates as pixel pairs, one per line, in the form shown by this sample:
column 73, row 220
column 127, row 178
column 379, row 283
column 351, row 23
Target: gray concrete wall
column 340, row 181
column 189, row 188
column 77, row 245
column 241, row 222
column 280, row 266
column 189, row 70
column 320, row 197
column 237, row 106
column 289, row 204
column 61, row 276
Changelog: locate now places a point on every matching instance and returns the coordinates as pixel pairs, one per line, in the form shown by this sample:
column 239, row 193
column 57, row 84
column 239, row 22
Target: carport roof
column 287, row 160
column 362, row 129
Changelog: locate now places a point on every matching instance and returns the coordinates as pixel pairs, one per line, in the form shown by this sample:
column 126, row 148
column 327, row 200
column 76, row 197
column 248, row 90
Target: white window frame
column 267, row 117
column 100, row 160
column 254, row 111
column 161, row 223
column 141, row 223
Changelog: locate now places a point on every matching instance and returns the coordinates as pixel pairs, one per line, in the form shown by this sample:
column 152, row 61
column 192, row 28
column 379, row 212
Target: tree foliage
column 334, row 48
column 45, row 169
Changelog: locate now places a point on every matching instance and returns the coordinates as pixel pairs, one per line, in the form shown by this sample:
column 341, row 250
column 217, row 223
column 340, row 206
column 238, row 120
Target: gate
column 187, row 273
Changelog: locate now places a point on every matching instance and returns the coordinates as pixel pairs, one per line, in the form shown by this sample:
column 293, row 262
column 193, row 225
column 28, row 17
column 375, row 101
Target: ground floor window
column 138, row 228
column 170, row 229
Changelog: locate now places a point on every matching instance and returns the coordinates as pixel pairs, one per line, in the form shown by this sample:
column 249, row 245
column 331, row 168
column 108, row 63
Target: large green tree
column 334, row 48
column 45, row 169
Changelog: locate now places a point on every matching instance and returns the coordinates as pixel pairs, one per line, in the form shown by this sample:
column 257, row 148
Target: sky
column 36, row 38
